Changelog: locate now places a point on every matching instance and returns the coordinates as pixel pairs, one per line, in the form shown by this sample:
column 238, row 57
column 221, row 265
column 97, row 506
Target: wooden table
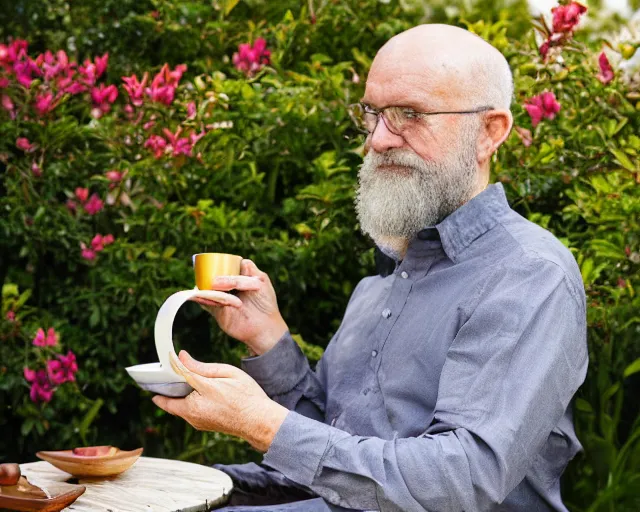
column 150, row 485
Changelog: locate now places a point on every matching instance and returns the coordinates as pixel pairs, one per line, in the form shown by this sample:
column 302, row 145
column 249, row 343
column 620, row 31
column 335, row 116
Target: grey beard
column 396, row 207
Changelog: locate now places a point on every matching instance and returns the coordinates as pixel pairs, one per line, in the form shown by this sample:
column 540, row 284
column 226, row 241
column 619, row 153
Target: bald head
column 444, row 67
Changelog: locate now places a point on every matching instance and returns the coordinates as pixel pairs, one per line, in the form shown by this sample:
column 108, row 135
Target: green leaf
column 583, row 405
column 83, row 428
column 168, row 252
column 632, row 368
column 623, row 160
column 228, row 6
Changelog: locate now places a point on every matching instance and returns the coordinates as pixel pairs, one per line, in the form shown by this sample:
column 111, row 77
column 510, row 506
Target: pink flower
column 566, row 17
column 52, row 338
column 39, row 340
column 25, row 70
column 86, row 253
column 606, row 71
column 8, row 105
column 525, row 136
column 250, row 59
column 24, row 144
column 191, row 110
column 103, row 97
column 149, row 124
column 96, row 243
column 63, row 369
column 41, row 388
column 71, row 205
column 114, row 176
column 93, row 205
column 11, row 316
column 157, row 145
column 91, row 71
column 161, row 94
column 4, row 82
column 16, row 50
column 108, row 239
column 82, row 194
column 542, row 106
column 44, row 103
column 36, row 170
column 134, row 88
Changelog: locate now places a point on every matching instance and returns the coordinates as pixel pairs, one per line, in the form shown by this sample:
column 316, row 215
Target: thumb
column 210, row 370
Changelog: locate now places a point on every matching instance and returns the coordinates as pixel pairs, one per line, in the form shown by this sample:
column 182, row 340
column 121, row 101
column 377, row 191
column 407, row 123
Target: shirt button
column 374, row 353
column 404, row 275
column 386, row 313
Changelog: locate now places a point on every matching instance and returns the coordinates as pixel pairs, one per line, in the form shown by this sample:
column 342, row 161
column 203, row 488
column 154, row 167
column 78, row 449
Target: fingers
column 209, row 370
column 217, row 298
column 175, row 406
column 242, row 283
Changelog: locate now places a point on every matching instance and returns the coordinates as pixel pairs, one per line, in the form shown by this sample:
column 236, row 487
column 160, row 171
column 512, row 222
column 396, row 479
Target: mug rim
column 217, row 254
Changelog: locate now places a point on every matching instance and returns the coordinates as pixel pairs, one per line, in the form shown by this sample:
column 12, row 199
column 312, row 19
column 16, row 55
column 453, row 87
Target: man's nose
column 382, row 139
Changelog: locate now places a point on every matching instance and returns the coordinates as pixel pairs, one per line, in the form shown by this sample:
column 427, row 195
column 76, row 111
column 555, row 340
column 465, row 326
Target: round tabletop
column 150, row 485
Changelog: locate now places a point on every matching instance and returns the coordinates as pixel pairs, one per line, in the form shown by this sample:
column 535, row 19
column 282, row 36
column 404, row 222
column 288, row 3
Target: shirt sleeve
column 508, row 378
column 286, row 377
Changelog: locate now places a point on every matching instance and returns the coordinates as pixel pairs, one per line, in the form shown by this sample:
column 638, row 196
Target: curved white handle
column 163, row 330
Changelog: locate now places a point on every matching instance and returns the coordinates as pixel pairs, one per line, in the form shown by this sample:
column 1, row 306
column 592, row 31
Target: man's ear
column 495, row 129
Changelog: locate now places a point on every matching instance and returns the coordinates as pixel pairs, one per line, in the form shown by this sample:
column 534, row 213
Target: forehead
column 411, row 82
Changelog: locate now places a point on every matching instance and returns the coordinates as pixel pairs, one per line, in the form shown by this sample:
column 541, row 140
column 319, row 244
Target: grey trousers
column 258, row 488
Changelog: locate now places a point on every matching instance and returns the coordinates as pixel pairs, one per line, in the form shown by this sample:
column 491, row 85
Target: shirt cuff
column 298, row 448
column 280, row 369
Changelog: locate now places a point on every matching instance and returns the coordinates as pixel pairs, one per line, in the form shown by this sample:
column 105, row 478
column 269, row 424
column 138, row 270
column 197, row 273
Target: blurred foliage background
column 271, row 177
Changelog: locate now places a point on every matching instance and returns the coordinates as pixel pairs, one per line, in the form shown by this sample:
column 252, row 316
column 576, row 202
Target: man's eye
column 410, row 114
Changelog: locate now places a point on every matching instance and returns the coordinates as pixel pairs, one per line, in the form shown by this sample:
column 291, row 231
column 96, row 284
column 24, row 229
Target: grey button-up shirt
column 448, row 385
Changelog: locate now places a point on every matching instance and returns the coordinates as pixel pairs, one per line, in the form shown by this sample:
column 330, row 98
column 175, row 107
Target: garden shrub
column 234, row 135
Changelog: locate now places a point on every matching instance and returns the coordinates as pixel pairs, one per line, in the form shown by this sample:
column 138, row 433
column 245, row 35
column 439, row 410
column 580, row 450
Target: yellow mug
column 208, row 265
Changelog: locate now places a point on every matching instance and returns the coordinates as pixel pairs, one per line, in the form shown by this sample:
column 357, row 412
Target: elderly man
column 448, row 385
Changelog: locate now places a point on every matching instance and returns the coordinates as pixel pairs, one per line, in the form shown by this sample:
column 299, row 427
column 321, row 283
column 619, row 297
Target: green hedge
column 272, row 178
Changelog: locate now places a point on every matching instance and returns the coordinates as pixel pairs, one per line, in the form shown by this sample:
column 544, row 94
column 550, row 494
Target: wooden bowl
column 92, row 461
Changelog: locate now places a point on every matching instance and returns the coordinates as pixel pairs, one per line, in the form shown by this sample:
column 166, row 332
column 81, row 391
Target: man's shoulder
column 535, row 247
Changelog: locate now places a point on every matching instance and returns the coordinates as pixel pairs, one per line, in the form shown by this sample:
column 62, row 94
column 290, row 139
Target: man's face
column 412, row 181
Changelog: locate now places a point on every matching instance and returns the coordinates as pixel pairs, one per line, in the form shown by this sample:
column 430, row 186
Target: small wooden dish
column 92, row 461
column 29, row 498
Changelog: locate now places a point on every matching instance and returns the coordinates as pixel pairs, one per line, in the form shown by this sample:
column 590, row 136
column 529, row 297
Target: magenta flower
column 103, row 97
column 108, row 239
column 25, row 70
column 16, row 50
column 93, row 205
column 41, row 388
column 87, row 253
column 164, row 84
column 24, row 144
column 63, row 369
column 11, row 316
column 157, row 144
column 50, row 340
column 91, row 71
column 542, row 106
column 82, row 194
column 161, row 93
column 96, row 243
column 566, row 17
column 250, row 59
column 606, row 71
column 39, row 340
column 44, row 103
column 135, row 88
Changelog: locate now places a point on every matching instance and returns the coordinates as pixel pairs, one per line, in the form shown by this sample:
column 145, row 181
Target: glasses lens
column 396, row 119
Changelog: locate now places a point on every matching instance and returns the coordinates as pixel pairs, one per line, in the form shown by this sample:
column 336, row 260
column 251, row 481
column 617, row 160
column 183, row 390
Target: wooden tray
column 28, row 498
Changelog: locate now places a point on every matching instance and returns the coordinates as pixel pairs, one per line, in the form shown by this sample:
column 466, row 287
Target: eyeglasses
column 399, row 120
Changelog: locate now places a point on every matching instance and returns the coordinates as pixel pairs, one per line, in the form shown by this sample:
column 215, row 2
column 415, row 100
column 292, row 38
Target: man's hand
column 257, row 322
column 225, row 399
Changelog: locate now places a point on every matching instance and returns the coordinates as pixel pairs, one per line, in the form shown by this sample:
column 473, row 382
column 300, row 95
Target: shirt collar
column 472, row 220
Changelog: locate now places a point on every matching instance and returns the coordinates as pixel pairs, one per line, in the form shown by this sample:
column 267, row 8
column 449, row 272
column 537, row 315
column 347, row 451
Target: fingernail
column 220, row 279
